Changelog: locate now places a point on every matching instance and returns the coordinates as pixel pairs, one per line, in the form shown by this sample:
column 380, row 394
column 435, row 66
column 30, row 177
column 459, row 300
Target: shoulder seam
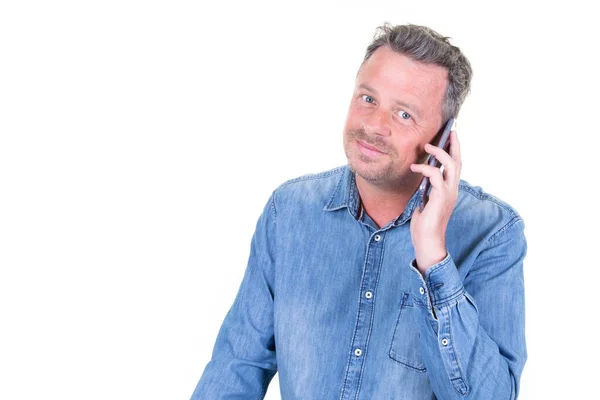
column 488, row 197
column 504, row 228
column 273, row 208
column 308, row 177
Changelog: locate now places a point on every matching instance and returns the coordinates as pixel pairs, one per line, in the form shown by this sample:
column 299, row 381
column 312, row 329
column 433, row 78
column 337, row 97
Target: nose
column 378, row 123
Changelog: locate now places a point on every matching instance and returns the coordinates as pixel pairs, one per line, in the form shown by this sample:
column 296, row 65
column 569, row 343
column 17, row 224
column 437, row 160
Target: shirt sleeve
column 243, row 360
column 473, row 333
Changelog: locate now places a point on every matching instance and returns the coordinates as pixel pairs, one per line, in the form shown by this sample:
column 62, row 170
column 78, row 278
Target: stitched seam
column 372, row 316
column 449, row 299
column 310, row 177
column 404, row 296
column 439, row 265
column 273, row 208
column 274, row 248
column 409, row 366
column 502, row 230
column 355, row 325
column 403, row 306
column 485, row 196
column 337, row 188
column 460, row 373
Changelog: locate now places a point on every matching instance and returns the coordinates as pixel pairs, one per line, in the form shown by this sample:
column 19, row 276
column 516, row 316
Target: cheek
column 349, row 120
column 419, row 155
column 407, row 142
column 406, row 151
column 357, row 112
column 411, row 152
column 353, row 118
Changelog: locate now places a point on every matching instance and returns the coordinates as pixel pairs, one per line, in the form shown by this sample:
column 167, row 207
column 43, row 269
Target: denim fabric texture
column 337, row 307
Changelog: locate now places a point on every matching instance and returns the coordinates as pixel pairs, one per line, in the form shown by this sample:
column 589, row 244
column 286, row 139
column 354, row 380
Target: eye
column 404, row 115
column 367, row 98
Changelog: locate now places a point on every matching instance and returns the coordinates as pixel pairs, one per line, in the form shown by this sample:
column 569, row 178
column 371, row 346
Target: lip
column 369, row 147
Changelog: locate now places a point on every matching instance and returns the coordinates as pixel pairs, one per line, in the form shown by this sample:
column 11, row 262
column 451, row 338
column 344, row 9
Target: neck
column 384, row 204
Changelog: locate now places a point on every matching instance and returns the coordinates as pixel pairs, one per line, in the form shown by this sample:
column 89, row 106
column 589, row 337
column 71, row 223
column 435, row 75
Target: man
column 351, row 292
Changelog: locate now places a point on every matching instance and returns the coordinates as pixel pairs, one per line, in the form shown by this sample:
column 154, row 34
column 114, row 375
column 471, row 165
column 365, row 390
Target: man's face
column 395, row 109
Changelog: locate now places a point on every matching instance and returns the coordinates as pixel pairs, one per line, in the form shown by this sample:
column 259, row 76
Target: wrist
column 427, row 259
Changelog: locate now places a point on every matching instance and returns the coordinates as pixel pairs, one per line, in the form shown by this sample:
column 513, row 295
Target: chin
column 382, row 176
column 369, row 171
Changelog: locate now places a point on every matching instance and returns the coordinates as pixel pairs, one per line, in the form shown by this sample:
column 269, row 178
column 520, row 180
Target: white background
column 141, row 139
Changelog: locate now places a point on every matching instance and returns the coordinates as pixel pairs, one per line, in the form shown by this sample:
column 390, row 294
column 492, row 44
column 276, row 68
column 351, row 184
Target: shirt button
column 357, row 352
column 377, row 238
column 368, row 295
column 444, row 342
column 421, row 290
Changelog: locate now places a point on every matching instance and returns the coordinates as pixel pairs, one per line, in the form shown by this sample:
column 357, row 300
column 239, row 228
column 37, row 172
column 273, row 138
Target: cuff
column 441, row 284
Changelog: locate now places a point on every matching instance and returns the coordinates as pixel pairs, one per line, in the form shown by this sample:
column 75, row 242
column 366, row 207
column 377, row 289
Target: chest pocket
column 406, row 346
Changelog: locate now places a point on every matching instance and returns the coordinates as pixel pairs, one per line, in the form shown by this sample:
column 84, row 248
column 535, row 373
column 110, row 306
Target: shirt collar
column 345, row 195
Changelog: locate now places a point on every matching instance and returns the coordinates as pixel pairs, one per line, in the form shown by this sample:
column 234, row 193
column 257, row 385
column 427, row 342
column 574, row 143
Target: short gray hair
column 427, row 46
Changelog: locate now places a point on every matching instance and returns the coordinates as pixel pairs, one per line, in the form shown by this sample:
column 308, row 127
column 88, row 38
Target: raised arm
column 474, row 333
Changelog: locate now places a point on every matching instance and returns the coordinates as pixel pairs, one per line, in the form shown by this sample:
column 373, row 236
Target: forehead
column 401, row 78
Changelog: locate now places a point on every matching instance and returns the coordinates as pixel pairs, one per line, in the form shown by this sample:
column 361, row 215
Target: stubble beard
column 368, row 170
column 376, row 171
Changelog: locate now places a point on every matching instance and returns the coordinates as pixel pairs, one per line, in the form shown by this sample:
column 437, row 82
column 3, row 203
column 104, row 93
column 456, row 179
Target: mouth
column 369, row 150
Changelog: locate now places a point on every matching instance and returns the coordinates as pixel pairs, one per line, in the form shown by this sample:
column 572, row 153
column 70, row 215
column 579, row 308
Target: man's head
column 410, row 82
column 429, row 47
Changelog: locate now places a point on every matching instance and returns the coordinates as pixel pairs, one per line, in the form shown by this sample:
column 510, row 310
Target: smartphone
column 443, row 141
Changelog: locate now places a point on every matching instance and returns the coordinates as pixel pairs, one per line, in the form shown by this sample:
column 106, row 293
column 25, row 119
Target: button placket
column 364, row 322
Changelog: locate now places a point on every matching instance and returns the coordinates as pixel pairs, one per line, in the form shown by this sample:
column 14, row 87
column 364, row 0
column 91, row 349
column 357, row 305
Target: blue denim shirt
column 337, row 307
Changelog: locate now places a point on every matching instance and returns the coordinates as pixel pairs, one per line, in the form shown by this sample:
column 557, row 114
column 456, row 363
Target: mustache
column 374, row 141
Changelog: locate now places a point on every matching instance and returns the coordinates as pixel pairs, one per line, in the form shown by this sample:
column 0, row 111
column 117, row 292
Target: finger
column 451, row 162
column 433, row 173
column 445, row 159
column 453, row 176
column 455, row 150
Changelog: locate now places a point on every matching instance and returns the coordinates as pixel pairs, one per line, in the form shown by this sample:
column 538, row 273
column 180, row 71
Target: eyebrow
column 414, row 109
